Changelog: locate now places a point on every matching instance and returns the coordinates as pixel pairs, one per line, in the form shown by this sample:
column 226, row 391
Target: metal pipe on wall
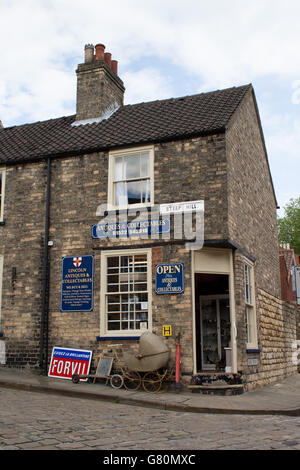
column 45, row 302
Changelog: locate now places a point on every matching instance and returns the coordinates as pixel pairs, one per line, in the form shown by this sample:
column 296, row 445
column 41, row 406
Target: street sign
column 65, row 362
column 77, row 283
column 178, row 207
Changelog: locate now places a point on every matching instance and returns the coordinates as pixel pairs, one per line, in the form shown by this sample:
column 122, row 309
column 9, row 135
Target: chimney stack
column 100, row 48
column 88, row 53
column 98, row 86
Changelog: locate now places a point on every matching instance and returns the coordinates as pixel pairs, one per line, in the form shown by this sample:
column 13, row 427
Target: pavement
column 281, row 398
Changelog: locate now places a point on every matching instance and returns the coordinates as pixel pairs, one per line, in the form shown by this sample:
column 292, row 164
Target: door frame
column 226, row 268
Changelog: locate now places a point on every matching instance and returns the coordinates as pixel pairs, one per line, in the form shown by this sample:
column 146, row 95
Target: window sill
column 110, row 338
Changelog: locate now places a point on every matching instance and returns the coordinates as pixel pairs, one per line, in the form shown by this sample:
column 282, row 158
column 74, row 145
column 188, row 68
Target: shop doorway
column 213, row 327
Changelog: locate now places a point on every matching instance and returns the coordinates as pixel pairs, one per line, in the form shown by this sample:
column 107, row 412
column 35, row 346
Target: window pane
column 131, row 167
column 118, row 169
column 145, row 169
column 113, row 307
column 113, row 262
column 133, row 192
column 145, row 189
column 248, row 298
column 249, row 314
column 113, row 326
column 113, row 317
column 126, row 264
column 120, row 196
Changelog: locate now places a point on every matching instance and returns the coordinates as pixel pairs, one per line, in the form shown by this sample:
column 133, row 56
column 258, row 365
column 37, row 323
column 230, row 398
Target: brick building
column 56, row 174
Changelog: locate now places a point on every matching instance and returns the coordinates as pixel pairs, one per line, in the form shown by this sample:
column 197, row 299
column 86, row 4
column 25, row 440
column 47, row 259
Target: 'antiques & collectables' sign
column 130, row 229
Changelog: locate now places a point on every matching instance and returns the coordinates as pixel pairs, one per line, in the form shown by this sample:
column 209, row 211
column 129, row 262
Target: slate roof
column 142, row 123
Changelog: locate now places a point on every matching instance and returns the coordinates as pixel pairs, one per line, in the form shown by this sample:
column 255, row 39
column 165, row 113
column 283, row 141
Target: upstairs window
column 131, row 178
column 2, row 191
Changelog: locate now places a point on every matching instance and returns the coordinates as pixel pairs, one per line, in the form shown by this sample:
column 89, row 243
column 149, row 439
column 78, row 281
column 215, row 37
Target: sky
column 165, row 48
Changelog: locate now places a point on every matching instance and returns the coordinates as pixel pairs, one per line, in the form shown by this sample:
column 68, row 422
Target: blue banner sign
column 130, row 229
column 169, row 278
column 77, row 283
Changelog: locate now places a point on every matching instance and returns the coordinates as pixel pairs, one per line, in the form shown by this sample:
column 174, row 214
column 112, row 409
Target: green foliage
column 289, row 225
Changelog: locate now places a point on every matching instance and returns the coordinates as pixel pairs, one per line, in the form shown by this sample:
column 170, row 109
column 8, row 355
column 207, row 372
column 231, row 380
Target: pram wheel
column 152, row 382
column 116, row 381
column 132, row 380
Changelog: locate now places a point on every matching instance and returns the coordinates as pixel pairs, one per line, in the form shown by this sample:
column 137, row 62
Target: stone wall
column 21, row 244
column 252, row 216
column 276, row 334
column 277, row 331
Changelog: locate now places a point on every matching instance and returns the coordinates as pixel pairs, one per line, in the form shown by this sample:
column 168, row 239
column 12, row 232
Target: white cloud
column 220, row 43
column 146, row 85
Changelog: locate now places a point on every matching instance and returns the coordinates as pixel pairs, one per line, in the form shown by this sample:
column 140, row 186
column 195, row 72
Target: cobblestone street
column 39, row 421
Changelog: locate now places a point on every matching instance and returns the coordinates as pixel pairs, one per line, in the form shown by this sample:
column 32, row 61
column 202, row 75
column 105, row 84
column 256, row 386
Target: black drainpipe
column 45, row 297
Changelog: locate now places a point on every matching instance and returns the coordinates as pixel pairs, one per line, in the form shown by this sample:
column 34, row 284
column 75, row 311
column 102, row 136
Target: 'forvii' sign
column 65, row 362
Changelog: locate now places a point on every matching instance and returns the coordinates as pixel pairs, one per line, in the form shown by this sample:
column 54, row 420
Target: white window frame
column 2, row 194
column 111, row 171
column 250, row 306
column 104, row 332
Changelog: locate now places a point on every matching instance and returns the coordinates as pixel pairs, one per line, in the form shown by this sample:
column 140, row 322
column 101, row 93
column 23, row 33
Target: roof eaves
column 107, row 147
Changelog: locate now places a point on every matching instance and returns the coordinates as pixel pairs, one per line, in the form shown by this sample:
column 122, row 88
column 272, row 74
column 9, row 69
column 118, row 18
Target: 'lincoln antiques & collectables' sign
column 77, row 283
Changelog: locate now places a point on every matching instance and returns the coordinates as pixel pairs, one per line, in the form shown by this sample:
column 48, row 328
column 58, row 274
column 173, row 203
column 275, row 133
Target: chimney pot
column 100, row 51
column 114, row 66
column 88, row 53
column 107, row 58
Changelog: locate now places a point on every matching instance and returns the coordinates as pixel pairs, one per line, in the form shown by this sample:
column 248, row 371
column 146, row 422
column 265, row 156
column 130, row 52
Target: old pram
column 147, row 368
column 151, row 362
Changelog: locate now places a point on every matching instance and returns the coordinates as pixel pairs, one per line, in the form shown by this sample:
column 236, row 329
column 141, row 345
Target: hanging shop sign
column 169, row 278
column 178, row 207
column 65, row 362
column 77, row 283
column 130, row 229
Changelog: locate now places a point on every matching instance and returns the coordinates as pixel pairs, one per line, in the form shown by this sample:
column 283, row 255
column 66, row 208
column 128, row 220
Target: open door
column 213, row 328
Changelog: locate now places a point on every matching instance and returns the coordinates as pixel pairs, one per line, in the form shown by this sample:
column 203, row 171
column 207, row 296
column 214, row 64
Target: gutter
column 45, row 297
